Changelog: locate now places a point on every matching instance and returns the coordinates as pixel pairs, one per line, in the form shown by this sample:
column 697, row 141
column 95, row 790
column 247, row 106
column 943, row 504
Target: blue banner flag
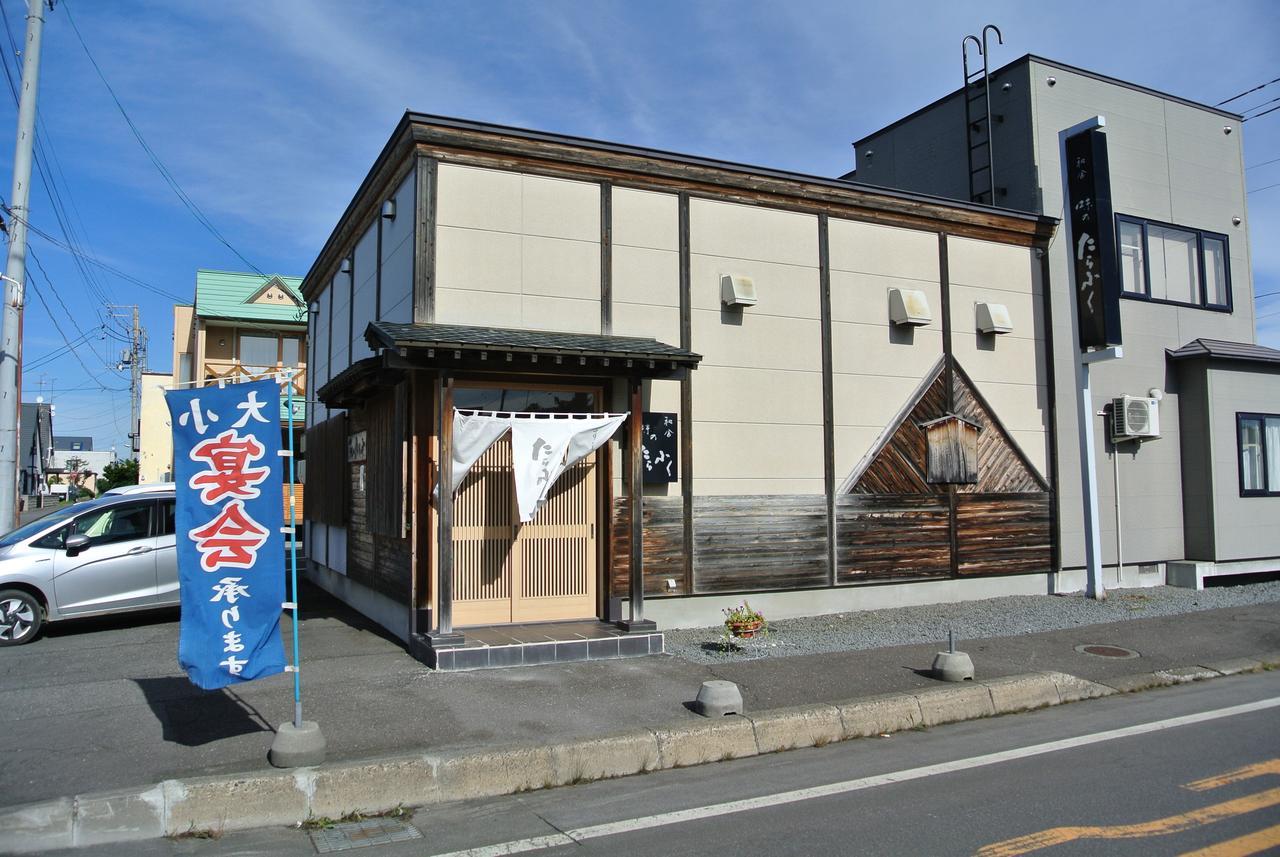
column 228, row 475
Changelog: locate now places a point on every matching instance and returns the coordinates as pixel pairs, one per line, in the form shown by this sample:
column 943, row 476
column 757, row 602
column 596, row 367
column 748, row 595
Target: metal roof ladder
column 977, row 119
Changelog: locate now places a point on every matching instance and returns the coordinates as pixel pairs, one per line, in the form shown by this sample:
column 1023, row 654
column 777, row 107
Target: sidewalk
column 102, row 707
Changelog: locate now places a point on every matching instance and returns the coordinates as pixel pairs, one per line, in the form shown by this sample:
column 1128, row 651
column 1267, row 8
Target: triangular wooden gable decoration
column 273, row 292
column 897, row 464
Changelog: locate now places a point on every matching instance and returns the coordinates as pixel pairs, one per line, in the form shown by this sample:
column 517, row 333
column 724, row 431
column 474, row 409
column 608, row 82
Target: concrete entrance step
column 526, row 645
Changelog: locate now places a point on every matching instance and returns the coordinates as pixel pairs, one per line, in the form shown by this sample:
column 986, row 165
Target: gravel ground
column 994, row 617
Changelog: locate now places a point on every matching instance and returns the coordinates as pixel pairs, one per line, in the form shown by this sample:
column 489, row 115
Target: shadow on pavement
column 192, row 717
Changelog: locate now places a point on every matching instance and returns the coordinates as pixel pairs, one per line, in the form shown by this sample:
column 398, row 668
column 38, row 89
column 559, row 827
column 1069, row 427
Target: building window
column 1259, row 437
column 1172, row 264
column 259, row 353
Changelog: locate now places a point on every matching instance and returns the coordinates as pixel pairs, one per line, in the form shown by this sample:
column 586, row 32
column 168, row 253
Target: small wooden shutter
column 328, row 482
column 383, row 494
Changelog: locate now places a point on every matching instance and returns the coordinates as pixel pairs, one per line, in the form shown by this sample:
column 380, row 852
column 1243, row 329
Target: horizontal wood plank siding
column 663, row 546
column 385, row 512
column 748, row 543
column 1003, row 534
column 888, row 536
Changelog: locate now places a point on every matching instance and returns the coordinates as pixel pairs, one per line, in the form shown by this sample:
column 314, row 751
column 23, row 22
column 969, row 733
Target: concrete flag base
column 297, row 746
column 953, row 666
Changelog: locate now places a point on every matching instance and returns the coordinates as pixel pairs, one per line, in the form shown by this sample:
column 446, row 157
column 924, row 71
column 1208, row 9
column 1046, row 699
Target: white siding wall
column 397, row 256
column 364, row 296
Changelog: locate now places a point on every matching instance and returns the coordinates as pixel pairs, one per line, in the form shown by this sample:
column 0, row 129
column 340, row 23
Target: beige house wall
column 877, row 366
column 516, row 250
column 757, row 395
column 155, row 443
column 523, row 251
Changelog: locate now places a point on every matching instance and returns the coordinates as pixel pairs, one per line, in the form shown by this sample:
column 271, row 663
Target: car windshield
column 39, row 525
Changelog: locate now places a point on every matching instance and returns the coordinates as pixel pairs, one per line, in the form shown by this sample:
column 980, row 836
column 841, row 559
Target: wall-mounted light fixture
column 389, row 209
column 994, row 318
column 909, row 306
column 737, row 290
column 344, row 267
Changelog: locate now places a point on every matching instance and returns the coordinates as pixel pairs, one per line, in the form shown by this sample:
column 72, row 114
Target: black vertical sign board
column 1093, row 234
column 659, row 438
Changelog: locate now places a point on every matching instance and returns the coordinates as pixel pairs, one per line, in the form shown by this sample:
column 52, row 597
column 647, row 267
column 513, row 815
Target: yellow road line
column 1253, row 843
column 1158, row 827
column 1257, row 769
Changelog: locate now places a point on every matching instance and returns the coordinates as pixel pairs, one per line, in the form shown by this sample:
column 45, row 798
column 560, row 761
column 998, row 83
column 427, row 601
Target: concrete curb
column 285, row 798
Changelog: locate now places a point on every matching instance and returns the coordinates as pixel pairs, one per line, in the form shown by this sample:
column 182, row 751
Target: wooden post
column 637, row 622
column 444, row 509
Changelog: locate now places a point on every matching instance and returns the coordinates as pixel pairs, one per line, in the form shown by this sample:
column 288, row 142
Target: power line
column 1247, row 91
column 91, row 259
column 46, row 155
column 31, row 282
column 182, row 195
column 1263, row 164
column 1268, row 187
column 1266, row 295
column 1263, row 113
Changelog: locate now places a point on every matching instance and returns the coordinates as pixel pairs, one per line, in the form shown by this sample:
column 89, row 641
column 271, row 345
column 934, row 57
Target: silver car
column 109, row 555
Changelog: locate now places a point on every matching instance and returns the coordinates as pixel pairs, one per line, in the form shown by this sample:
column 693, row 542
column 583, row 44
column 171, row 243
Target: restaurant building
column 836, row 397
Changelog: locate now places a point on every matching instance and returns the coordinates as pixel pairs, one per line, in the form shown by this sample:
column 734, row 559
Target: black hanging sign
column 659, row 436
column 1093, row 238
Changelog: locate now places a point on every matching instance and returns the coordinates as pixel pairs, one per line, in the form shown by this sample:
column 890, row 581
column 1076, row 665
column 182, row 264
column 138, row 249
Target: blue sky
column 270, row 112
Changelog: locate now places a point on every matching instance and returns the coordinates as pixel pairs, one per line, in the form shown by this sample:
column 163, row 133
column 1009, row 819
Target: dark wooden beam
column 636, row 622
column 828, row 393
column 424, row 243
column 686, row 392
column 444, row 512
column 1055, row 522
column 606, row 258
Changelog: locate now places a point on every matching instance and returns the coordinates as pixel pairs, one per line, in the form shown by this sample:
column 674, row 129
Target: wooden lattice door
column 505, row 571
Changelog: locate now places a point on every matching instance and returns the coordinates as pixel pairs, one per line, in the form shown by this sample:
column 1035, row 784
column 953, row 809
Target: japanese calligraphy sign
column 227, row 471
column 1093, row 239
column 659, row 440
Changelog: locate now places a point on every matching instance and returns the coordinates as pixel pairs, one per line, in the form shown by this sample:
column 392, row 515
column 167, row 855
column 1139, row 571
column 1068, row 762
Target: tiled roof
column 1220, row 349
column 467, row 338
column 227, row 295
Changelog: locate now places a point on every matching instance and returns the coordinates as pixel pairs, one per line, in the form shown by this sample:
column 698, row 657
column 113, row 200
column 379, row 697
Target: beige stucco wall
column 1010, row 370
column 877, row 366
column 645, row 275
column 184, row 340
column 517, row 250
column 757, row 395
column 155, row 443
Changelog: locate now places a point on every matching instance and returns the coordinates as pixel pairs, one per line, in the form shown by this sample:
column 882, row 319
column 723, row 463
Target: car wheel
column 20, row 617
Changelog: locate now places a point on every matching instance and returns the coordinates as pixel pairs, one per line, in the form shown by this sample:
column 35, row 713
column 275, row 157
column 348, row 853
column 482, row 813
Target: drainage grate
column 1099, row 651
column 358, row 834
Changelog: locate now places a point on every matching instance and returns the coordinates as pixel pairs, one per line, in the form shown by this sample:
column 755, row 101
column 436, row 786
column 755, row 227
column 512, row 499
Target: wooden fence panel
column 889, row 536
column 750, row 543
column 1003, row 533
column 663, row 546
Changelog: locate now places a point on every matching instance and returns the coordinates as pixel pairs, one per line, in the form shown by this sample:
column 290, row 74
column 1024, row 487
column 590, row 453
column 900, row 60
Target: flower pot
column 745, row 630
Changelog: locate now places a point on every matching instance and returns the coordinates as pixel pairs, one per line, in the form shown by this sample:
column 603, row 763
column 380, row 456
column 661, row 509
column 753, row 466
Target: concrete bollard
column 718, row 698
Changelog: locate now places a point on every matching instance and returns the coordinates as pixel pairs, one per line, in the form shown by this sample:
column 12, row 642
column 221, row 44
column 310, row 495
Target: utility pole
column 135, row 357
column 16, row 269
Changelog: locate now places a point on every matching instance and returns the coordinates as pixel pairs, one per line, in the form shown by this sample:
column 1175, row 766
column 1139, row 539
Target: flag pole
column 293, row 559
column 299, row 743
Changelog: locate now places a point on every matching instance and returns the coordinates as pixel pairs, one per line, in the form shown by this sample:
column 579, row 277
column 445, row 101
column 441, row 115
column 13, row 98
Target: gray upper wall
column 1170, row 162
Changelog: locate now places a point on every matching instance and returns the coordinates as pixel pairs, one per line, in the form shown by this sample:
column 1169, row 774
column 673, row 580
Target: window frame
column 1200, row 234
column 1241, row 417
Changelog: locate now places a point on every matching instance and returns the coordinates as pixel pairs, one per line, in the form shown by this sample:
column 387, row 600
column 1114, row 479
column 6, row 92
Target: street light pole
column 16, row 270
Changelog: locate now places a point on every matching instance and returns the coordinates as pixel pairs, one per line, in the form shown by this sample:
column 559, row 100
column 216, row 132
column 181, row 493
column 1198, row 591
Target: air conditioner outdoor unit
column 1134, row 417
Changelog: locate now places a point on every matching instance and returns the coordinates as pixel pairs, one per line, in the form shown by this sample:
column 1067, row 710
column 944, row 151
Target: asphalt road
column 1165, row 772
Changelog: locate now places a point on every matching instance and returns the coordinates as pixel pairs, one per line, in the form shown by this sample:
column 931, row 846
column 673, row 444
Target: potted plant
column 744, row 622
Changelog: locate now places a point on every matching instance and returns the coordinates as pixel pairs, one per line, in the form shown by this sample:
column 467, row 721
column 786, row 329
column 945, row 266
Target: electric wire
column 62, row 245
column 1248, row 91
column 46, row 155
column 1266, row 187
column 169, row 178
column 1263, row 113
column 1263, row 164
